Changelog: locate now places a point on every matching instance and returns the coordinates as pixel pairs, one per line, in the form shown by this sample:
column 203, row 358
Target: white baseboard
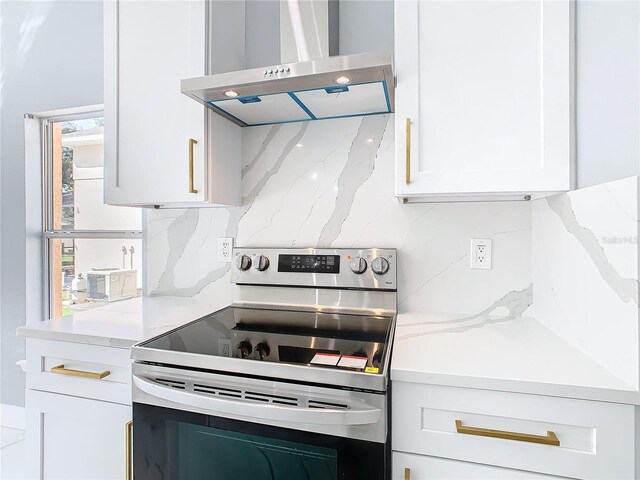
column 12, row 416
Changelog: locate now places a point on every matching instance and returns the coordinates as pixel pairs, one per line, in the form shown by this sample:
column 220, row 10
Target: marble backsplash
column 330, row 184
column 585, row 272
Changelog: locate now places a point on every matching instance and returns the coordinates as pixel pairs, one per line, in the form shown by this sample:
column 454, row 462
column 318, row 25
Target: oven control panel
column 373, row 268
column 309, row 263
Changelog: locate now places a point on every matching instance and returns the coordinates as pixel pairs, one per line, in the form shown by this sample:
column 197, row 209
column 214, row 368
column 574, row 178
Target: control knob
column 380, row 265
column 261, row 351
column 261, row 263
column 244, row 349
column 358, row 265
column 243, row 262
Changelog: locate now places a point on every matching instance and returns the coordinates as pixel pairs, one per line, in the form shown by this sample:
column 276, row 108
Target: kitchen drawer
column 596, row 439
column 44, row 355
column 422, row 467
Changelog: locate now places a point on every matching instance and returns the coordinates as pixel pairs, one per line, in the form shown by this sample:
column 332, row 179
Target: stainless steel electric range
column 289, row 382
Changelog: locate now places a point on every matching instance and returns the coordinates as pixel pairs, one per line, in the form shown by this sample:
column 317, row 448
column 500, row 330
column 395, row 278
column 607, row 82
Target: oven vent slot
column 268, row 397
column 245, row 395
column 221, row 391
column 171, row 383
column 334, row 406
column 252, row 395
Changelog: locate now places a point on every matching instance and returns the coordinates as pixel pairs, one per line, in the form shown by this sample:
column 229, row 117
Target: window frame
column 49, row 234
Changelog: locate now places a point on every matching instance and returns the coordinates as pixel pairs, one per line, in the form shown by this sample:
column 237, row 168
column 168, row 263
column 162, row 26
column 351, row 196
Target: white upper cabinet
column 161, row 147
column 484, row 99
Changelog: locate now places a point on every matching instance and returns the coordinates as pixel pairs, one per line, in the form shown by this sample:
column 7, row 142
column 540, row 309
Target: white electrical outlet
column 225, row 248
column 224, row 347
column 480, row 254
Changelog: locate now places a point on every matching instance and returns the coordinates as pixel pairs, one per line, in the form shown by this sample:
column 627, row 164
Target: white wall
column 51, row 58
column 365, row 26
column 608, row 90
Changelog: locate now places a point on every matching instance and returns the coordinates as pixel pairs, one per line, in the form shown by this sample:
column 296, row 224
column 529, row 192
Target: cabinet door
column 593, row 440
column 487, row 87
column 75, row 438
column 149, row 47
column 417, row 467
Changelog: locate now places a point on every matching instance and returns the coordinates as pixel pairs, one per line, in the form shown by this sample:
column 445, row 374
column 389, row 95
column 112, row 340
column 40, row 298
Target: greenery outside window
column 82, row 235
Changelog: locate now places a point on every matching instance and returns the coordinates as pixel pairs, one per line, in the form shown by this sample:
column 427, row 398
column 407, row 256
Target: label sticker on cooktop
column 326, row 359
column 349, row 361
column 371, row 370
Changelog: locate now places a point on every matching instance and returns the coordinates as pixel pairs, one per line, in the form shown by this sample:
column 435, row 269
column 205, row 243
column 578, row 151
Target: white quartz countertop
column 120, row 324
column 496, row 353
column 499, row 353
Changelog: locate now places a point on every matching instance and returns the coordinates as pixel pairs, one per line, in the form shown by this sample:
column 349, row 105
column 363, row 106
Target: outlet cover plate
column 225, row 249
column 481, row 253
column 224, row 347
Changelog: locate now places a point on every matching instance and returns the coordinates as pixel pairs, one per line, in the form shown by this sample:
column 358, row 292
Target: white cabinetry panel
column 431, row 468
column 77, row 438
column 43, row 356
column 596, row 439
column 488, row 89
column 149, row 124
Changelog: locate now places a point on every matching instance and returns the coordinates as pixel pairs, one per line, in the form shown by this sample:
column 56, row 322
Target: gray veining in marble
column 516, row 302
column 625, row 288
column 359, row 167
column 433, row 277
column 263, row 148
column 248, row 200
column 182, row 228
column 337, row 189
column 179, row 232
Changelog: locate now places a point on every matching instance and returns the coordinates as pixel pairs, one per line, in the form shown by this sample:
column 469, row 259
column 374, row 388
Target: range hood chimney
column 304, row 30
column 308, row 84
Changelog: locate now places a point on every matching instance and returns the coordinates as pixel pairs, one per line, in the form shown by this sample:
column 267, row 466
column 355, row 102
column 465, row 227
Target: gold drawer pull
column 548, row 439
column 60, row 370
column 128, row 459
column 407, row 155
column 407, row 474
column 192, row 142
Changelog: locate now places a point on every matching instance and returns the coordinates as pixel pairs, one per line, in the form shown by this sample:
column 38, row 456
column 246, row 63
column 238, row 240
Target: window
column 92, row 251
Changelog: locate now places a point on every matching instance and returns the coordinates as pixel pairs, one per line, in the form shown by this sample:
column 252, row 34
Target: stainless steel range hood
column 315, row 88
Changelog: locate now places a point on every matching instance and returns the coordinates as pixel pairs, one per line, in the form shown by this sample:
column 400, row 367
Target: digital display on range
column 309, row 263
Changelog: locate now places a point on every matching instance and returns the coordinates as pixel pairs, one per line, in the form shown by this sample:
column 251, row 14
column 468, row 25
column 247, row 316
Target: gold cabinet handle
column 407, row 474
column 192, row 142
column 549, row 439
column 407, row 155
column 60, row 370
column 128, row 459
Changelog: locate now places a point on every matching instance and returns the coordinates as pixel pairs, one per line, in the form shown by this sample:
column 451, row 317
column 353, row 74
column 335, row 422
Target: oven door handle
column 260, row 411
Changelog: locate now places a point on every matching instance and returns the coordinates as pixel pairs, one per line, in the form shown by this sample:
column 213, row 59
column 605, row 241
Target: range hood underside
column 299, row 91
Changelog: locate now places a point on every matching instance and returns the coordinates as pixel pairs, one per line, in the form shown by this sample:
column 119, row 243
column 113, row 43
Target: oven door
column 204, row 425
column 175, row 444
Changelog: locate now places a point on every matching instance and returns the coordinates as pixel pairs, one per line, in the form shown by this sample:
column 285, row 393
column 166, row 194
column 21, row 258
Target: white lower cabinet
column 407, row 466
column 453, row 432
column 77, row 438
column 78, row 407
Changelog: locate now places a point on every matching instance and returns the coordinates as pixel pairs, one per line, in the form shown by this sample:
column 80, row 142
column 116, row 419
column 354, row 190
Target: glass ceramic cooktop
column 350, row 341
